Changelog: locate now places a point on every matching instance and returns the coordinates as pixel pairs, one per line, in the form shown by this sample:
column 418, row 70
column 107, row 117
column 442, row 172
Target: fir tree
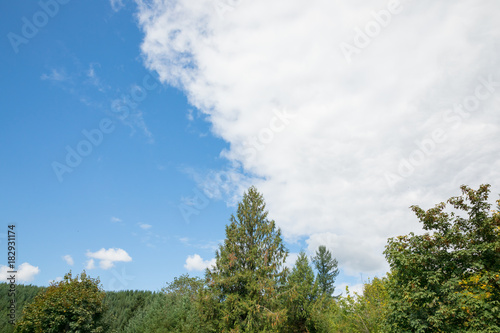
column 327, row 269
column 303, row 294
column 244, row 287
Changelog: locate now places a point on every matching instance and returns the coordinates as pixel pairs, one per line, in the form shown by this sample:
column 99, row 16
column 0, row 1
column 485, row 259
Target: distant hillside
column 24, row 295
column 122, row 306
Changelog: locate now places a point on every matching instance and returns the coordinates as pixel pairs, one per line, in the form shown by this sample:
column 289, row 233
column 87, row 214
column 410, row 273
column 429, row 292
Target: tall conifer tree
column 245, row 284
column 327, row 270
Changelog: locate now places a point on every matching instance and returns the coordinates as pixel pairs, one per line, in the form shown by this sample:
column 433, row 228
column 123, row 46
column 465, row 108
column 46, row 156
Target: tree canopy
column 447, row 279
column 71, row 305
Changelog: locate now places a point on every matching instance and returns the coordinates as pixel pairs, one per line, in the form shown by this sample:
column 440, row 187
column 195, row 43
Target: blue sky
column 126, row 193
column 116, row 114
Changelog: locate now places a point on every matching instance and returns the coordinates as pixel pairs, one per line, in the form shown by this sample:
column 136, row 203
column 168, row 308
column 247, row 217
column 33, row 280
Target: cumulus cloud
column 340, row 144
column 25, row 272
column 107, row 257
column 115, row 219
column 68, row 259
column 196, row 263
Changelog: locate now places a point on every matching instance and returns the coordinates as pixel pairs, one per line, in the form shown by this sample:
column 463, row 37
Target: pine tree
column 327, row 269
column 244, row 287
column 303, row 293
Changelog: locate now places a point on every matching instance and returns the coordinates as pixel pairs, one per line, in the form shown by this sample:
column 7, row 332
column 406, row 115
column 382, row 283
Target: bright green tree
column 303, row 293
column 71, row 305
column 245, row 286
column 364, row 312
column 327, row 269
column 447, row 280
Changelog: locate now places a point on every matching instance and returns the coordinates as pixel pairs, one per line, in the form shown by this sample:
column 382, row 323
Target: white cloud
column 55, row 75
column 291, row 259
column 90, row 264
column 25, row 272
column 68, row 259
column 324, row 172
column 116, row 4
column 108, row 257
column 145, row 226
column 134, row 118
column 115, row 219
column 196, row 263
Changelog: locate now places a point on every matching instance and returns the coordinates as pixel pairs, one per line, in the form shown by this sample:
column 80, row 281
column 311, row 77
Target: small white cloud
column 90, row 264
column 54, row 75
column 115, row 219
column 109, row 257
column 196, row 263
column 25, row 272
column 145, row 226
column 116, row 4
column 68, row 259
column 184, row 240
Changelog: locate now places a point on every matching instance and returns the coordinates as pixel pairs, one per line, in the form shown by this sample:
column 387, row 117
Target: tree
column 71, row 305
column 244, row 287
column 303, row 293
column 173, row 310
column 327, row 270
column 362, row 312
column 447, row 280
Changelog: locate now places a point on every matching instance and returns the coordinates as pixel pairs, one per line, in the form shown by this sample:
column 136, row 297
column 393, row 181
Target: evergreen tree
column 244, row 287
column 302, row 295
column 327, row 269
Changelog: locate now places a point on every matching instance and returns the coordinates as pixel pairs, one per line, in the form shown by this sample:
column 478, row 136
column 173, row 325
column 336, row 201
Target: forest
column 445, row 279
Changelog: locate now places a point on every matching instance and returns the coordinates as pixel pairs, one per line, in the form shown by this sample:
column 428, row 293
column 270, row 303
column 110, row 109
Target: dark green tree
column 244, row 287
column 447, row 280
column 327, row 269
column 71, row 305
column 173, row 310
column 303, row 292
column 25, row 294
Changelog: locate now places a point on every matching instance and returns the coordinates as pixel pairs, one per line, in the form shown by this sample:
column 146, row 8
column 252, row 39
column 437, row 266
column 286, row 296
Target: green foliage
column 448, row 280
column 72, row 305
column 302, row 294
column 123, row 306
column 327, row 269
column 362, row 313
column 244, row 288
column 173, row 310
column 24, row 295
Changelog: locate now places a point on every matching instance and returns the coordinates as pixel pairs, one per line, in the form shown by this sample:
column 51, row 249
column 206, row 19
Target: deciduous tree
column 447, row 280
column 71, row 305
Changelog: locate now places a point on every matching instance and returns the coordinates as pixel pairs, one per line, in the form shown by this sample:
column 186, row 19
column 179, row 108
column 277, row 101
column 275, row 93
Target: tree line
column 444, row 280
